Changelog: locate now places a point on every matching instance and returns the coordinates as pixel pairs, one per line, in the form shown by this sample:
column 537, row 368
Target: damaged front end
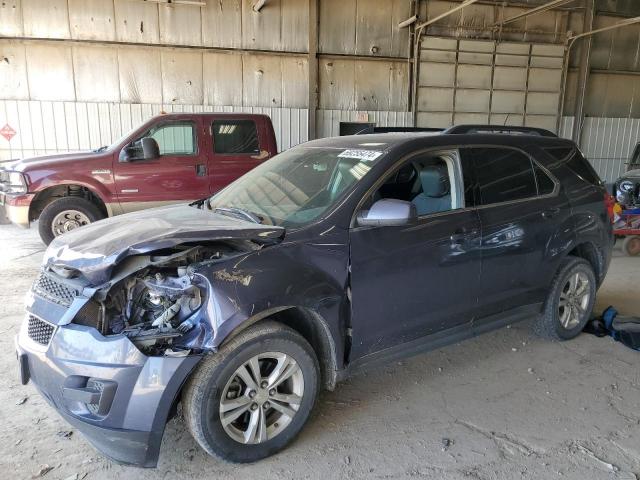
column 115, row 326
column 161, row 302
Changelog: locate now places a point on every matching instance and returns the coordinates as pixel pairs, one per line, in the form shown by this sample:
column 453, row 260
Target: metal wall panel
column 222, row 23
column 180, row 24
column 11, row 18
column 96, row 74
column 181, row 76
column 52, row 127
column 49, row 72
column 140, row 73
column 136, row 21
column 92, row 19
column 49, row 22
column 364, row 28
column 64, row 72
column 606, row 142
column 222, row 78
column 13, row 71
column 363, row 84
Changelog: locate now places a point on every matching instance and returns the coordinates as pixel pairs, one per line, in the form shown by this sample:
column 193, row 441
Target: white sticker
column 365, row 155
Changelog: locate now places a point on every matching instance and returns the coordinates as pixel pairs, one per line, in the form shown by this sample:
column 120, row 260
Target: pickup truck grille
column 39, row 331
column 53, row 290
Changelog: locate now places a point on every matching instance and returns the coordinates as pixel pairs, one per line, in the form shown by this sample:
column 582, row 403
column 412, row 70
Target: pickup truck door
column 237, row 146
column 178, row 175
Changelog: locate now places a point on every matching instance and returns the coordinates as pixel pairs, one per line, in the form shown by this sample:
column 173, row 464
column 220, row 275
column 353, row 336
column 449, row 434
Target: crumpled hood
column 95, row 249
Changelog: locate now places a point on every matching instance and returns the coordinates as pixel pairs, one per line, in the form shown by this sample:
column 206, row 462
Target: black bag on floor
column 623, row 329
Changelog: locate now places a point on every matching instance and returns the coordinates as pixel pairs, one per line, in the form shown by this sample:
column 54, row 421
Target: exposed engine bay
column 160, row 304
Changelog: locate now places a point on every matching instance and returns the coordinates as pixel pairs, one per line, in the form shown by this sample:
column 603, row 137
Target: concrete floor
column 501, row 406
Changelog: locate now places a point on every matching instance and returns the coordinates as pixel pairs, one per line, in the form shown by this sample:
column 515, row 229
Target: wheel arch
column 313, row 328
column 588, row 251
column 47, row 195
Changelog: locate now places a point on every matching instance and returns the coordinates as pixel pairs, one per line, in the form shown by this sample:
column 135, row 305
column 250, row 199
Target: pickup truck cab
column 172, row 158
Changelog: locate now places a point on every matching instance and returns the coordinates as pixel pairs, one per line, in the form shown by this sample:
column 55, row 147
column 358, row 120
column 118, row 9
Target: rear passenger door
column 522, row 214
column 236, row 149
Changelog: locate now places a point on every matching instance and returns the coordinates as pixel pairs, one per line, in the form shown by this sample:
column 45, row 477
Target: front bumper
column 129, row 424
column 16, row 207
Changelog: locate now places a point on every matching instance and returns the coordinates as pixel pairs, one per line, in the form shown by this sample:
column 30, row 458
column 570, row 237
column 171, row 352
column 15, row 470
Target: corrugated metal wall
column 45, row 128
column 606, row 142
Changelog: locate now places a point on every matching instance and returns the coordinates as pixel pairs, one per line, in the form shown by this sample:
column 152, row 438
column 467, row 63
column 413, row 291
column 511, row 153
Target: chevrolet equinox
column 333, row 256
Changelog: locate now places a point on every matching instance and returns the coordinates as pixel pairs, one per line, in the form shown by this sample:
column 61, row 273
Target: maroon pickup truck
column 172, row 158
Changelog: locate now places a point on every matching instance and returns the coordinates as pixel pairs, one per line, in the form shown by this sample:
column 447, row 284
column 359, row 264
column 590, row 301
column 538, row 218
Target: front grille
column 54, row 290
column 39, row 331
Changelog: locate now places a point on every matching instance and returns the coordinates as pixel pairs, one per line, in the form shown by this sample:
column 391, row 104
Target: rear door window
column 233, row 137
column 503, row 175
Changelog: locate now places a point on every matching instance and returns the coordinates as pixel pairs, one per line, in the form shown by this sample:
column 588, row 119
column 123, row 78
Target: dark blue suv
column 333, row 256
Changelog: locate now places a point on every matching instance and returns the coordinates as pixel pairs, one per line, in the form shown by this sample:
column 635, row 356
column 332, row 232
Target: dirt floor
column 502, row 406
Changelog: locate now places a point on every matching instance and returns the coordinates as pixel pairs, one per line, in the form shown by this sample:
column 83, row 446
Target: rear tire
column 225, row 387
column 65, row 214
column 631, row 245
column 570, row 300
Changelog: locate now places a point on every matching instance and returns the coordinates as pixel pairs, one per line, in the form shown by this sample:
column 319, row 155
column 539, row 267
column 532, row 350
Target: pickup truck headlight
column 12, row 182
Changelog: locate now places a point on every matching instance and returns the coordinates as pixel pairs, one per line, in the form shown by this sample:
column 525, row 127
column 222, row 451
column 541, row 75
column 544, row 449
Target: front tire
column 570, row 300
column 250, row 399
column 66, row 214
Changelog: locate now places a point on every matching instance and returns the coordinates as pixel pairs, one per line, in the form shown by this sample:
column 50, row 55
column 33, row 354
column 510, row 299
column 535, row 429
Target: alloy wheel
column 574, row 300
column 261, row 398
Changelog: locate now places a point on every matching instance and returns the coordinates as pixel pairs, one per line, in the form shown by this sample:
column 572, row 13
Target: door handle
column 201, row 170
column 550, row 213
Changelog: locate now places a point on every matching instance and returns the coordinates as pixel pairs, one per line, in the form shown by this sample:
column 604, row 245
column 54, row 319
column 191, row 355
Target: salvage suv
column 336, row 255
column 171, row 158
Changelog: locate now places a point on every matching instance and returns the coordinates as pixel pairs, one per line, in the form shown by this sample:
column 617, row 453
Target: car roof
column 388, row 141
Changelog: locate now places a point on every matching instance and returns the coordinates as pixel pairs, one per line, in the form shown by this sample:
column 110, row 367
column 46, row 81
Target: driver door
column 411, row 281
column 178, row 175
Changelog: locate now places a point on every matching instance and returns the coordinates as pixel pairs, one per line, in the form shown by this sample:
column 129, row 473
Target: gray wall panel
column 92, row 19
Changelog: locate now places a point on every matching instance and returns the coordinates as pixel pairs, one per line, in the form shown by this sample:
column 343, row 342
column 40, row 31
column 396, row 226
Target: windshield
column 297, row 186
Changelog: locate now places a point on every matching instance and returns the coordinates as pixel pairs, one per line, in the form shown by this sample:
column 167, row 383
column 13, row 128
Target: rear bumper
column 129, row 423
column 16, row 208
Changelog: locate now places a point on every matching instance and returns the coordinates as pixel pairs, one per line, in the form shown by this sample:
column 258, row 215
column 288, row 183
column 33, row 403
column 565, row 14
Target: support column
column 583, row 72
column 313, row 67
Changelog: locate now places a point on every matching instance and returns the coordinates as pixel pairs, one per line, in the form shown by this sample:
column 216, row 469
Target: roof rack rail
column 499, row 129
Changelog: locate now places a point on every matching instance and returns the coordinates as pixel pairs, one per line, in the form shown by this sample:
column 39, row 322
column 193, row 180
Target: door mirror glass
column 150, row 148
column 388, row 212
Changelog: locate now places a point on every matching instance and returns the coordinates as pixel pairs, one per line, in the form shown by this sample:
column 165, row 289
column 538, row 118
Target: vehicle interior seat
column 436, row 191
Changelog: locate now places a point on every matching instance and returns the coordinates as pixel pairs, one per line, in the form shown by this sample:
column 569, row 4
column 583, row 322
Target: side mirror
column 150, row 148
column 388, row 212
column 126, row 154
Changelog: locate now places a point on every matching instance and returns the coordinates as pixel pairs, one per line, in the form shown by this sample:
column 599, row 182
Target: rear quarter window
column 574, row 160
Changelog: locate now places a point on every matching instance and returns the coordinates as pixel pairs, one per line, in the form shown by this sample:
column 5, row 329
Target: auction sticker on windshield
column 366, row 155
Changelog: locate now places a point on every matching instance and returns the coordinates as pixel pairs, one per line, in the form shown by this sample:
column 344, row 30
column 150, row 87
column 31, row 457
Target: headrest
column 435, row 181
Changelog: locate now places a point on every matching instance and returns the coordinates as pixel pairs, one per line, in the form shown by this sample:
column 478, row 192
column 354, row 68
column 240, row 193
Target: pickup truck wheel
column 66, row 214
column 252, row 397
column 570, row 300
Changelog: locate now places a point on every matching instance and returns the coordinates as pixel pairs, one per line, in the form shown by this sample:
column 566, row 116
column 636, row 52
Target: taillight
column 609, row 203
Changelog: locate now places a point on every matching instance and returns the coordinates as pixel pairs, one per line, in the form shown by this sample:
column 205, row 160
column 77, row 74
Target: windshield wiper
column 239, row 213
column 101, row 149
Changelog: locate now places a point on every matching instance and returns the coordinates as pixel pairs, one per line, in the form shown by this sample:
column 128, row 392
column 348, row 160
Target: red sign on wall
column 7, row 132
